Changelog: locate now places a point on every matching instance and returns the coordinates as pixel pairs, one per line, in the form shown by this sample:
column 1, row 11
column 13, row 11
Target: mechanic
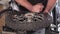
column 37, row 6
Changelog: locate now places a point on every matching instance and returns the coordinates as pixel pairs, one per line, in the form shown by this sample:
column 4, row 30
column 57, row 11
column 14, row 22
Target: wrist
column 46, row 11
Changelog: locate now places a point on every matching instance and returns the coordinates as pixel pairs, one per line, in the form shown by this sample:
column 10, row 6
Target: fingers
column 41, row 9
column 40, row 5
column 37, row 8
column 46, row 11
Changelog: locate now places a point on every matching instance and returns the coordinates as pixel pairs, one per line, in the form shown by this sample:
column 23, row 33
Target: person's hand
column 38, row 8
column 46, row 11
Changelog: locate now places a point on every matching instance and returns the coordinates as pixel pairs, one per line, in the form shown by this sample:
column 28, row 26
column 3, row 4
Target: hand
column 38, row 8
column 46, row 11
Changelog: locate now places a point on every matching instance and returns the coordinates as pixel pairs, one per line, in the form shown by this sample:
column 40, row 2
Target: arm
column 33, row 8
column 25, row 4
column 50, row 4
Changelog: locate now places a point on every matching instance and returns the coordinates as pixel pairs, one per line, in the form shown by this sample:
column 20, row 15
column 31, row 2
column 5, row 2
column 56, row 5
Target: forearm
column 25, row 4
column 50, row 4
